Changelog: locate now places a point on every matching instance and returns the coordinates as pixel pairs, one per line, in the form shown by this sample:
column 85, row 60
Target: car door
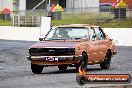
column 101, row 43
column 91, row 45
column 104, row 43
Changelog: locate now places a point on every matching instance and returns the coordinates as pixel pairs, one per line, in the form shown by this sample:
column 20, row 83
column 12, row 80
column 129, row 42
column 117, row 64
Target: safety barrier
column 121, row 36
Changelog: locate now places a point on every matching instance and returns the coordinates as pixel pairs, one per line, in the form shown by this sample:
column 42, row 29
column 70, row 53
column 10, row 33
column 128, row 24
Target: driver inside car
column 64, row 34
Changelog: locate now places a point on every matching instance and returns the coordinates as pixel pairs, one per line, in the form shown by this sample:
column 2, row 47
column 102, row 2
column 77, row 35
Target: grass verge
column 5, row 23
column 84, row 20
column 111, row 24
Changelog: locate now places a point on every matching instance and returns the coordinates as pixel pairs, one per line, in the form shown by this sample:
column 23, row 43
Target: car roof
column 77, row 26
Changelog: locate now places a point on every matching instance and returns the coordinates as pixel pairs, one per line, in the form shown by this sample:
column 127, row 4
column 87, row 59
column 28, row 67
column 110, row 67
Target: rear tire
column 107, row 61
column 37, row 69
column 62, row 67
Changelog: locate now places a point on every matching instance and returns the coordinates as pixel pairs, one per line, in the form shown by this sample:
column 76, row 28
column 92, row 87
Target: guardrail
column 121, row 36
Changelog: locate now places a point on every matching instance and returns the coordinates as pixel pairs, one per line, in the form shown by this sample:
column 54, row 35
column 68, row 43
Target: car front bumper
column 60, row 58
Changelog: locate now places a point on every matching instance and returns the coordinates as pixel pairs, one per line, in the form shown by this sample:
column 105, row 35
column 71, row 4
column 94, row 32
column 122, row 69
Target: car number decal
column 51, row 58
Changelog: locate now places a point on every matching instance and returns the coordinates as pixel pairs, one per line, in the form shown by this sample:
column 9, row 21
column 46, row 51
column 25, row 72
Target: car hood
column 55, row 44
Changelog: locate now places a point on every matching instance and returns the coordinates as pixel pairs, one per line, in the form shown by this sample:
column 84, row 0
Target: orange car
column 72, row 45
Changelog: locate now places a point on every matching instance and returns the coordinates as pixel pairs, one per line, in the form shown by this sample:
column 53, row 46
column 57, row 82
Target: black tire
column 62, row 67
column 77, row 67
column 107, row 61
column 83, row 61
column 37, row 69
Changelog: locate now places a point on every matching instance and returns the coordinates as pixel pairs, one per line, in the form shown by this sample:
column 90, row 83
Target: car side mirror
column 41, row 39
column 111, row 39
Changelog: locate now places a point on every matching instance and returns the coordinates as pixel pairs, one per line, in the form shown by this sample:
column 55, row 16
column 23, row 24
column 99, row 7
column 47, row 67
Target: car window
column 78, row 33
column 99, row 33
column 68, row 34
column 92, row 35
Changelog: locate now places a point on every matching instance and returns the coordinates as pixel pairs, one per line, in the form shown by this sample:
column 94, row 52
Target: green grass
column 116, row 24
column 112, row 24
column 94, row 18
column 86, row 18
column 72, row 21
column 80, row 18
column 5, row 23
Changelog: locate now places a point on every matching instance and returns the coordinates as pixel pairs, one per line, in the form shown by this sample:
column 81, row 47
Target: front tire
column 107, row 61
column 83, row 61
column 37, row 69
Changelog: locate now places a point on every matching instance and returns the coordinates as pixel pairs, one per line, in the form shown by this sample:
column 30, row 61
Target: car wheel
column 62, row 67
column 107, row 61
column 77, row 67
column 37, row 69
column 83, row 61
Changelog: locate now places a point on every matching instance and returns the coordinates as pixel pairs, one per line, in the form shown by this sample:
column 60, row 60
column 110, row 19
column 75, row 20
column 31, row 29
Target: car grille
column 51, row 51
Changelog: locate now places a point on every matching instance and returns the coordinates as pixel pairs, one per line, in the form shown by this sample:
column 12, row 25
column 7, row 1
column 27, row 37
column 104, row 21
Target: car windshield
column 67, row 34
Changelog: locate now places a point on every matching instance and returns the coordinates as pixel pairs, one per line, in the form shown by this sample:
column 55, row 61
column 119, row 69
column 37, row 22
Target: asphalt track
column 15, row 69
